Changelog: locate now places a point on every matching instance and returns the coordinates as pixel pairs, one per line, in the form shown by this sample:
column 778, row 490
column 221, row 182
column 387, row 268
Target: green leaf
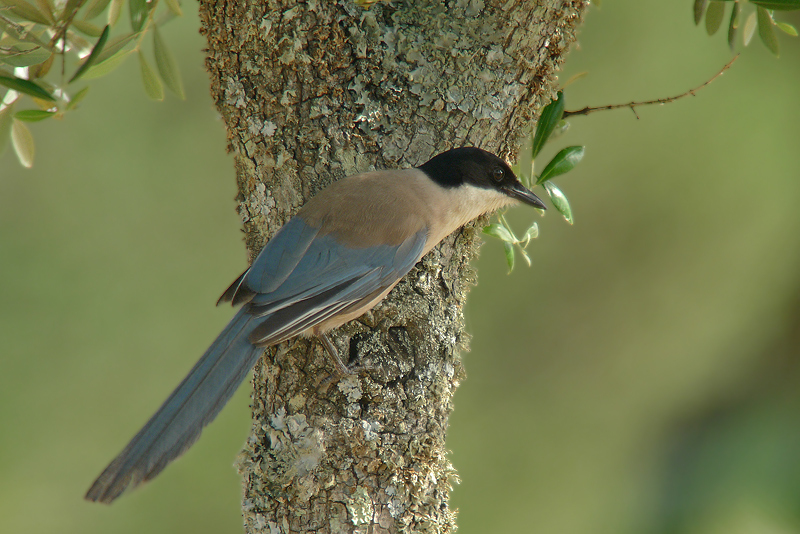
column 787, row 28
column 95, row 53
column 563, row 162
column 114, row 12
column 80, row 95
column 26, row 11
column 167, row 66
column 70, row 8
column 115, row 45
column 101, row 69
column 559, row 200
column 94, row 8
column 33, row 115
column 499, row 231
column 87, row 28
column 40, row 70
column 26, row 57
column 27, row 87
column 508, row 248
column 749, row 28
column 781, row 5
column 6, row 120
column 22, row 140
column 699, row 9
column 175, row 7
column 550, row 117
column 766, row 31
column 47, row 9
column 139, row 9
column 714, row 15
column 733, row 26
column 152, row 85
column 531, row 233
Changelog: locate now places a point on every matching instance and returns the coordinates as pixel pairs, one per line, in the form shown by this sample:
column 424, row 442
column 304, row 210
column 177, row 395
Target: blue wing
column 301, row 279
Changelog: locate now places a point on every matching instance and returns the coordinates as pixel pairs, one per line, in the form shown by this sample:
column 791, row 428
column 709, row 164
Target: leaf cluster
column 761, row 18
column 35, row 35
column 549, row 126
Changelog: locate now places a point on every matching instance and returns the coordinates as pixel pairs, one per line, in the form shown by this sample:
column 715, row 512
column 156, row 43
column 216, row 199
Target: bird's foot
column 340, row 369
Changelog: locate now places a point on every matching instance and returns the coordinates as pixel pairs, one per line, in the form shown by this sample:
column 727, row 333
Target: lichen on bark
column 314, row 91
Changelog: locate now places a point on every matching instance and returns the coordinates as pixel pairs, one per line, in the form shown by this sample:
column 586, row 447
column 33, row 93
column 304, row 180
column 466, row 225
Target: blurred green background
column 642, row 376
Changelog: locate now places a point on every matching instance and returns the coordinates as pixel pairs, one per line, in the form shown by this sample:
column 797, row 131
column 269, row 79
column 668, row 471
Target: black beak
column 519, row 192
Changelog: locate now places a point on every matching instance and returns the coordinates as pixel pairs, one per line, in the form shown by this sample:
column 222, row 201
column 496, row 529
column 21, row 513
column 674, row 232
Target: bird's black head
column 478, row 168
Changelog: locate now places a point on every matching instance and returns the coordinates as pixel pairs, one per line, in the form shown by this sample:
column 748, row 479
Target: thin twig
column 634, row 105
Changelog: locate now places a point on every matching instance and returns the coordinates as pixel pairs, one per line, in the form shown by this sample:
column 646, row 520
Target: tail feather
column 178, row 422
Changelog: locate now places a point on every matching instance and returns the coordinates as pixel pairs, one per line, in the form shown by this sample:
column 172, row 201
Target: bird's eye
column 498, row 174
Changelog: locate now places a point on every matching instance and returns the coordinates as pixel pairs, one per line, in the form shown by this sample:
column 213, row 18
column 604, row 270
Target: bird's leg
column 330, row 348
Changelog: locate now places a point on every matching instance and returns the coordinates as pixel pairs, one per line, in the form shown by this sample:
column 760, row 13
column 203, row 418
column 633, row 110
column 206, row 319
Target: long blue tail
column 194, row 403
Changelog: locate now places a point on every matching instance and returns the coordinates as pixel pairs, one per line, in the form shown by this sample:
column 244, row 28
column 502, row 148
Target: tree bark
column 311, row 92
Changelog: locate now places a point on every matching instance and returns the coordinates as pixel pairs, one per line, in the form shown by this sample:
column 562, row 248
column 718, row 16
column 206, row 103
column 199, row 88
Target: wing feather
column 329, row 277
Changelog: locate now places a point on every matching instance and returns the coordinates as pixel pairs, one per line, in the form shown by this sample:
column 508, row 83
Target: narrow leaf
column 115, row 11
column 699, row 9
column 139, row 9
column 167, row 66
column 152, row 85
column 98, row 48
column 115, row 45
column 26, row 57
column 77, row 97
column 733, row 26
column 766, row 31
column 27, row 87
column 6, row 120
column 94, row 8
column 550, row 117
column 41, row 70
column 175, row 7
column 33, row 115
column 714, row 15
column 70, row 8
column 559, row 200
column 101, row 69
column 749, row 28
column 46, row 9
column 499, row 231
column 26, row 11
column 508, row 248
column 18, row 31
column 781, row 5
column 563, row 162
column 22, row 140
column 787, row 28
column 87, row 28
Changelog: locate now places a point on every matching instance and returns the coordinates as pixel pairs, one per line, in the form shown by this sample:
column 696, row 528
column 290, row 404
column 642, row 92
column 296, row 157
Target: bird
column 343, row 251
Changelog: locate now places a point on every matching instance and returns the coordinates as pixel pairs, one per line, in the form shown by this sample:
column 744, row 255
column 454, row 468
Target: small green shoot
column 502, row 231
column 550, row 124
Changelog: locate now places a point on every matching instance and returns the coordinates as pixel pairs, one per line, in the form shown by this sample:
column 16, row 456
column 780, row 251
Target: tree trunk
column 311, row 92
